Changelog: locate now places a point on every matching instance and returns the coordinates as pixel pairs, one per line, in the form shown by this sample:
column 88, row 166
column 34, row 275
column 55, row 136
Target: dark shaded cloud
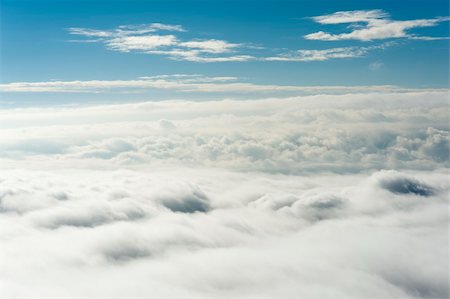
column 400, row 184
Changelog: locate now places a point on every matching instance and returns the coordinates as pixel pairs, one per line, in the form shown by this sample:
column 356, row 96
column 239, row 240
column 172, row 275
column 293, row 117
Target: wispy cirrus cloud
column 320, row 55
column 148, row 38
column 376, row 65
column 377, row 25
column 165, row 39
column 124, row 30
column 141, row 43
column 328, row 54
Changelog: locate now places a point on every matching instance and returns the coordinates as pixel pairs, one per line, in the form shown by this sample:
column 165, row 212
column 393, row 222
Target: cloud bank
column 276, row 197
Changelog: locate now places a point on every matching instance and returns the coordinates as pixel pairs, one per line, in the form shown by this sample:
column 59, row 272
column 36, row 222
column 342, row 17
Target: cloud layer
column 275, row 197
column 338, row 133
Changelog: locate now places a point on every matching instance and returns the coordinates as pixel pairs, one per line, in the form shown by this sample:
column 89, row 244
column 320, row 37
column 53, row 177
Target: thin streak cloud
column 198, row 84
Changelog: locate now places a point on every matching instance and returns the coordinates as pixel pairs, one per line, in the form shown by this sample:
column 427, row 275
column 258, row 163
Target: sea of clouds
column 321, row 196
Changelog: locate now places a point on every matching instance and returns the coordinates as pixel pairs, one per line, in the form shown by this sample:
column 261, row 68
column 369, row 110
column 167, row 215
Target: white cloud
column 126, row 30
column 90, row 32
column 352, row 17
column 321, row 55
column 199, row 56
column 377, row 26
column 210, row 46
column 428, row 38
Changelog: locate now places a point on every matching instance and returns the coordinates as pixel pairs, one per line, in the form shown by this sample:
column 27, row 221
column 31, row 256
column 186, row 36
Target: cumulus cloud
column 377, row 25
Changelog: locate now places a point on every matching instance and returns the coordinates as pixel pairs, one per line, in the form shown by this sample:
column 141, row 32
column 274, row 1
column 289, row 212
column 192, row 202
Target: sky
column 257, row 42
column 224, row 149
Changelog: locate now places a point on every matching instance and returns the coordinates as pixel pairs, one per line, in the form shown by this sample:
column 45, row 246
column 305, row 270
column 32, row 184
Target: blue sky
column 274, row 43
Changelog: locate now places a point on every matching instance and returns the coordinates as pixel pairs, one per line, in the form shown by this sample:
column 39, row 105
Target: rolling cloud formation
column 310, row 196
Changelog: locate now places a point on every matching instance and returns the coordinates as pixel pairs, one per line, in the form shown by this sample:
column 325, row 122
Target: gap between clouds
column 151, row 39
